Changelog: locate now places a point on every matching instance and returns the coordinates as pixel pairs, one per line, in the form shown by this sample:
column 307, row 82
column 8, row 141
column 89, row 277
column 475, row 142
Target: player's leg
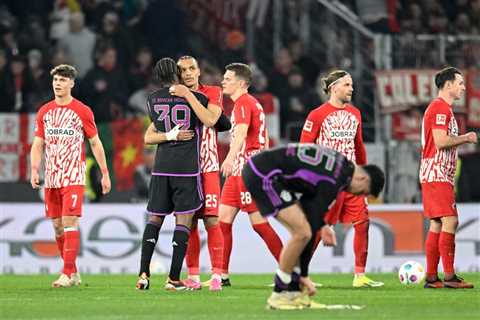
column 432, row 254
column 187, row 198
column 446, row 243
column 263, row 228
column 211, row 189
column 53, row 210
column 59, row 236
column 215, row 250
column 159, row 205
column 439, row 203
column 71, row 200
column 227, row 215
column 259, row 223
column 229, row 207
column 355, row 211
column 192, row 258
column 181, row 234
column 149, row 241
column 287, row 282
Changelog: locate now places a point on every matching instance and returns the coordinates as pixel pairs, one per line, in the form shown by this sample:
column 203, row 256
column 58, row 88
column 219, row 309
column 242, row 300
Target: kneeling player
column 297, row 184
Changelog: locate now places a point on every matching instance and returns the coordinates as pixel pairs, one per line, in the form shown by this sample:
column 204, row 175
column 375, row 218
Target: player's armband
column 223, row 123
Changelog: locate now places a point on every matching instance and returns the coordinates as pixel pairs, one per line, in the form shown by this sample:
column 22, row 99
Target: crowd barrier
column 111, row 236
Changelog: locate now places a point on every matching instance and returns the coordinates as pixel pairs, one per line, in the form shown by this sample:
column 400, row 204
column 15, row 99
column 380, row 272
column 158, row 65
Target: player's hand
column 179, row 90
column 227, row 167
column 35, row 179
column 184, row 135
column 172, row 135
column 308, row 284
column 328, row 236
column 106, row 184
column 472, row 137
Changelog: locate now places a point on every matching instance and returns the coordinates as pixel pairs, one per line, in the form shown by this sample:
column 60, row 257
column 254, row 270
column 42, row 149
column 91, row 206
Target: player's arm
column 153, row 136
column 208, row 116
column 99, row 153
column 444, row 141
column 310, row 130
column 360, row 152
column 36, row 154
column 223, row 123
column 239, row 135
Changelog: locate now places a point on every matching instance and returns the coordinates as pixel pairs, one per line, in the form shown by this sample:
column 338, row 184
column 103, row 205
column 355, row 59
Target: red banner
column 399, row 90
column 473, row 99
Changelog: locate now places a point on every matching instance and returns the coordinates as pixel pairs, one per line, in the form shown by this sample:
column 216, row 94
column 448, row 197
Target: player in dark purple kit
column 175, row 186
column 297, row 184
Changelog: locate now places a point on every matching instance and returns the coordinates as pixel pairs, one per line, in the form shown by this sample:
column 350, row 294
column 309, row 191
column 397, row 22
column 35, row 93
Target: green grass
column 114, row 297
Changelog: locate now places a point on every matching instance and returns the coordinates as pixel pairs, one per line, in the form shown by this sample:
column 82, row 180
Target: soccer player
column 210, row 167
column 248, row 138
column 60, row 130
column 337, row 124
column 437, row 173
column 175, row 186
column 296, row 184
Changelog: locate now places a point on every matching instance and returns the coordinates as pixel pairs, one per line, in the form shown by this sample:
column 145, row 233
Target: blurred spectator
column 104, row 87
column 41, row 88
column 138, row 99
column 60, row 17
column 79, row 44
column 437, row 18
column 16, row 86
column 6, row 88
column 462, row 24
column 235, row 47
column 8, row 40
column 308, row 66
column 279, row 75
column 163, row 26
column 299, row 101
column 270, row 104
column 141, row 69
column 143, row 175
column 112, row 31
column 33, row 35
column 58, row 56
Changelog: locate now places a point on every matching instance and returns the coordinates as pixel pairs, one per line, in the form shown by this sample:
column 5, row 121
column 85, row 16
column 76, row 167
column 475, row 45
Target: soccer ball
column 411, row 272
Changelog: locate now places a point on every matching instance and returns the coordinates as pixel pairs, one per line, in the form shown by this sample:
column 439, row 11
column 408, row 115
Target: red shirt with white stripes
column 209, row 144
column 337, row 128
column 64, row 129
column 438, row 165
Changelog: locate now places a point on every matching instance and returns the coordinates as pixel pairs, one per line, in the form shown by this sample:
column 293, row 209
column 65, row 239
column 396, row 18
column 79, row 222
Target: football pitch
column 114, row 297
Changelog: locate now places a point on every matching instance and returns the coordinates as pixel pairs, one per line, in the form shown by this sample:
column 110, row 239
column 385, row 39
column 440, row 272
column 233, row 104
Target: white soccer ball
column 411, row 272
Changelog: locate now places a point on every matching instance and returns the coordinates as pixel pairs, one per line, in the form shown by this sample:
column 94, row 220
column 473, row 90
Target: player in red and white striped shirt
column 337, row 124
column 437, row 173
column 249, row 137
column 210, row 167
column 60, row 131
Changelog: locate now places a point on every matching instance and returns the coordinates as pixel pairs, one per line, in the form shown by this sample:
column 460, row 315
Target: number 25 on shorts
column 211, row 201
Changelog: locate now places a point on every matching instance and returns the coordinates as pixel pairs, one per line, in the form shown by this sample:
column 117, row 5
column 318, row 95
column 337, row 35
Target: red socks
column 215, row 248
column 446, row 245
column 270, row 237
column 70, row 250
column 432, row 254
column 60, row 240
column 193, row 252
column 360, row 245
column 227, row 244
